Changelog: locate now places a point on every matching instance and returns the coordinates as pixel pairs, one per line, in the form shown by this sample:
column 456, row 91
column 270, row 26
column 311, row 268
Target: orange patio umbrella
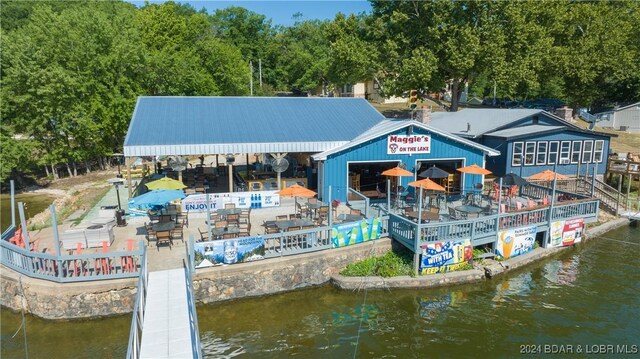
column 474, row 170
column 547, row 175
column 296, row 191
column 427, row 184
column 397, row 172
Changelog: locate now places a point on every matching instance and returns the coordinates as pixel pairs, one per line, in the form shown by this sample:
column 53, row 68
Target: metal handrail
column 365, row 198
column 137, row 320
column 189, row 269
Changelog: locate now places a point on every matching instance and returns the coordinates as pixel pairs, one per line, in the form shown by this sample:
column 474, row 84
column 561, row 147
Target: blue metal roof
column 199, row 125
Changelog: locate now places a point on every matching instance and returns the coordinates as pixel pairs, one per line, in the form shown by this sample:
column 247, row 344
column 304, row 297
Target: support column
column 230, row 177
column 619, row 191
column 628, row 190
column 54, row 226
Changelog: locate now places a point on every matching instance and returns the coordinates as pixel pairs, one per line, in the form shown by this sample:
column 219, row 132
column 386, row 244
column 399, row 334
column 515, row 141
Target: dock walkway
column 167, row 330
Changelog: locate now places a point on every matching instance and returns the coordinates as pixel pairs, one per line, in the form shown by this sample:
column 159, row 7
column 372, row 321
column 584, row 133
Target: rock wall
column 280, row 275
column 51, row 300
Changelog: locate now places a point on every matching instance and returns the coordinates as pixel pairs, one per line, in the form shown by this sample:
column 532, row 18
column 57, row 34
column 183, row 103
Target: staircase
column 610, row 199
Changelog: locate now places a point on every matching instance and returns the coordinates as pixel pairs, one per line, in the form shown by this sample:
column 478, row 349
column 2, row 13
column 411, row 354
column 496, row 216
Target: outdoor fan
column 279, row 165
column 177, row 163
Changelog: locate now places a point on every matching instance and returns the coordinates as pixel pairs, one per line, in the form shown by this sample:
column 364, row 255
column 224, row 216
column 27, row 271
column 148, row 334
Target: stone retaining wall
column 280, row 275
column 52, row 300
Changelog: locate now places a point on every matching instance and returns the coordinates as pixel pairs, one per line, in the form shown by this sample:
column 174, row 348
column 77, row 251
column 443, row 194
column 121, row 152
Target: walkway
column 167, row 330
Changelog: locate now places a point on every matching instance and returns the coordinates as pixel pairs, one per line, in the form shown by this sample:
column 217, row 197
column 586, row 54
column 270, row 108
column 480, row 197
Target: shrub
column 391, row 264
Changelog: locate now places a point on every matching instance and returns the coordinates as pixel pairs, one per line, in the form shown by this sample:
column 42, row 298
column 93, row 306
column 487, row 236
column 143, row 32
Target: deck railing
column 484, row 229
column 295, row 242
column 137, row 320
column 71, row 268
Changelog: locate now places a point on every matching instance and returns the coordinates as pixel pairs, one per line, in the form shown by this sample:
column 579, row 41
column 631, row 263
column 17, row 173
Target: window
column 542, row 153
column 553, row 152
column 529, row 153
column 565, row 147
column 576, row 148
column 587, row 150
column 516, row 160
column 376, row 85
column 597, row 151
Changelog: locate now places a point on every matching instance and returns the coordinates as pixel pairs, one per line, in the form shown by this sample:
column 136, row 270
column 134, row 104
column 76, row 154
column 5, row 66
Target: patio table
column 219, row 232
column 315, row 206
column 163, row 226
column 469, row 209
column 350, row 217
column 228, row 211
column 426, row 215
column 283, row 225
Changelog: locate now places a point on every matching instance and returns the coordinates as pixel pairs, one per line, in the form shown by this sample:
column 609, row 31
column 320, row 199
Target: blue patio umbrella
column 157, row 197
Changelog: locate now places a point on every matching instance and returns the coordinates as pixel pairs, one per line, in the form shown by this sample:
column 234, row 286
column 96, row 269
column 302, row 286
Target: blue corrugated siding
column 504, row 166
column 204, row 120
column 336, row 166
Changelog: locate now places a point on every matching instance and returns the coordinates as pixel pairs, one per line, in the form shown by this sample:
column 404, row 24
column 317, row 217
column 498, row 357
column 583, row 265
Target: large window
column 565, row 149
column 576, row 149
column 541, row 158
column 597, row 151
column 516, row 160
column 554, row 146
column 529, row 153
column 587, row 151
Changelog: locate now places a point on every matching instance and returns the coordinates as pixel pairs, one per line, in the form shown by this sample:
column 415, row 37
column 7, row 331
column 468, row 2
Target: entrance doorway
column 452, row 183
column 367, row 178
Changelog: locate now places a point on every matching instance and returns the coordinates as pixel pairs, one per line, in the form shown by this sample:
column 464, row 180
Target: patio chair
column 486, row 210
column 229, row 206
column 204, row 236
column 282, row 217
column 271, row 230
column 150, row 234
column 177, row 232
column 220, row 224
column 233, row 219
column 163, row 237
column 356, row 212
column 453, row 214
column 229, row 235
column 295, row 216
column 304, row 211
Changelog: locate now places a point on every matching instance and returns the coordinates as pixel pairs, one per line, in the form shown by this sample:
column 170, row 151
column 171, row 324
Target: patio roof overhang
column 224, row 148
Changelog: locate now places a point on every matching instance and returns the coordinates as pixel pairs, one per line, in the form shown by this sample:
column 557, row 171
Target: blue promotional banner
column 228, row 251
column 515, row 242
column 346, row 234
column 441, row 257
column 198, row 202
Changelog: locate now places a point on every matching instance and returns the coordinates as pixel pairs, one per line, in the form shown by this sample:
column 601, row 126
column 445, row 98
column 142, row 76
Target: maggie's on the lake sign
column 408, row 144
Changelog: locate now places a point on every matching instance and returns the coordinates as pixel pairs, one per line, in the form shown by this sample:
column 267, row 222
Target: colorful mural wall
column 346, row 234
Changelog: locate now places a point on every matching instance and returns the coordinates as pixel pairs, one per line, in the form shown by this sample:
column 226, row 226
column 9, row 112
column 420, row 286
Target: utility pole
column 251, row 76
column 260, row 70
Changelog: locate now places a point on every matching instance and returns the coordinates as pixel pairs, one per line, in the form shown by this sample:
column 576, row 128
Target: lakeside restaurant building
column 529, row 140
column 347, row 142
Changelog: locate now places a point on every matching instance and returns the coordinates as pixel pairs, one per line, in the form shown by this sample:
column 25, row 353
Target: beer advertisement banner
column 259, row 199
column 228, row 251
column 566, row 233
column 346, row 234
column 442, row 257
column 515, row 242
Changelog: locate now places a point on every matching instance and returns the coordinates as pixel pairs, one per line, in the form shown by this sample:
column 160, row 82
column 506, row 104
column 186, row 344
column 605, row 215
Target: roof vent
column 468, row 127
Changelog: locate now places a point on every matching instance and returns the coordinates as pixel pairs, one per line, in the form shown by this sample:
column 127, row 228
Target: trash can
column 120, row 220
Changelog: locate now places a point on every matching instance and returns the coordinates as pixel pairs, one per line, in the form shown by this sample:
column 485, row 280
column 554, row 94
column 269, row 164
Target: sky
column 281, row 11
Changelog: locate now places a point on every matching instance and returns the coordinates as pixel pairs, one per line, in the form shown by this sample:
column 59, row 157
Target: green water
column 34, row 204
column 589, row 295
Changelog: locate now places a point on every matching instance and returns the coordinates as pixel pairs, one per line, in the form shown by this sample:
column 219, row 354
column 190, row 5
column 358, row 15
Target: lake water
column 34, row 204
column 586, row 296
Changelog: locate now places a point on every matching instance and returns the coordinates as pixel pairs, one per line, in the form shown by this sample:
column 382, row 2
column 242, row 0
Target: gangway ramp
column 167, row 327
